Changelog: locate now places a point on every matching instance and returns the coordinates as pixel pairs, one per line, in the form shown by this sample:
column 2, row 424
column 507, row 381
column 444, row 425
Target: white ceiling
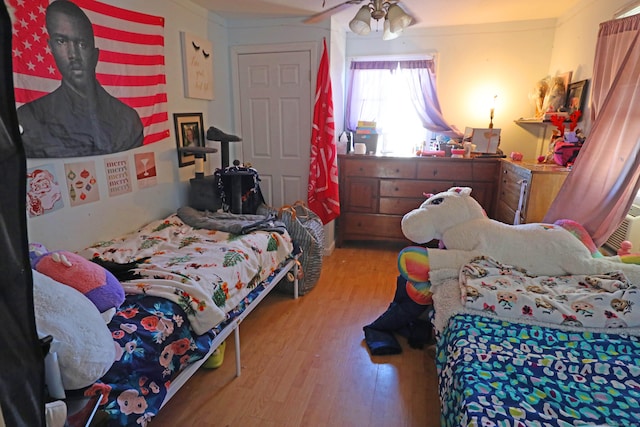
column 429, row 13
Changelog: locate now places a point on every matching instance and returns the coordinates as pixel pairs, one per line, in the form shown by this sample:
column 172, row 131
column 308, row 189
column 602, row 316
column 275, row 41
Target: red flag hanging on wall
column 323, row 195
column 131, row 66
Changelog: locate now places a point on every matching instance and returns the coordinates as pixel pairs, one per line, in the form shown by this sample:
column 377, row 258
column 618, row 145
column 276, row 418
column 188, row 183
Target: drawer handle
column 396, row 189
column 397, row 170
column 435, row 172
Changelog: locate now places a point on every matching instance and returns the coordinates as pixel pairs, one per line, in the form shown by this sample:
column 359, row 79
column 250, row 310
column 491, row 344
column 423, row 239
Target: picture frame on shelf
column 576, row 94
column 566, row 79
column 555, row 93
column 189, row 128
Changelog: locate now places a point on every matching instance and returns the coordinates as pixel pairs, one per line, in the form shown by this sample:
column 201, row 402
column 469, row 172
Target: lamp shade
column 398, row 19
column 387, row 34
column 360, row 23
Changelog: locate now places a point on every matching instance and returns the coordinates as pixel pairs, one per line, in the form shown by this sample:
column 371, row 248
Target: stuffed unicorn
column 463, row 228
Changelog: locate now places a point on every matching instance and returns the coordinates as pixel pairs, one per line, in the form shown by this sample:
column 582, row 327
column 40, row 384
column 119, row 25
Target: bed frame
column 292, row 266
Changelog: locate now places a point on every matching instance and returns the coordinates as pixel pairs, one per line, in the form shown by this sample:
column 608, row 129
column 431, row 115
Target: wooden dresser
column 527, row 187
column 376, row 192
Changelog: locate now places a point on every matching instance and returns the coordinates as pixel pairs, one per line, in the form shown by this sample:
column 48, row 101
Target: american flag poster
column 130, row 66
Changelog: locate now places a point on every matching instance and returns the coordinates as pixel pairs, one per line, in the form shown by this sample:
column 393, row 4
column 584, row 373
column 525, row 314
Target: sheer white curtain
column 606, row 175
column 400, row 96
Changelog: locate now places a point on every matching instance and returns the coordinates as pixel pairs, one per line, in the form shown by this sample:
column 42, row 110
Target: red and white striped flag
column 130, row 67
column 323, row 196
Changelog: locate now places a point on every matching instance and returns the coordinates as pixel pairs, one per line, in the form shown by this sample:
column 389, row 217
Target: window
column 400, row 97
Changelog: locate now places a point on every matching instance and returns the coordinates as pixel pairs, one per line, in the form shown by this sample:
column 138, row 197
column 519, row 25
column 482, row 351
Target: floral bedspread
column 584, row 301
column 494, row 372
column 154, row 343
column 206, row 272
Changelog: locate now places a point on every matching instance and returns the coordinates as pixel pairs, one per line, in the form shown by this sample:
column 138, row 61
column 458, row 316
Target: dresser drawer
column 504, row 213
column 369, row 226
column 396, row 206
column 510, row 189
column 450, row 169
column 360, row 195
column 402, row 188
column 380, row 168
column 511, row 170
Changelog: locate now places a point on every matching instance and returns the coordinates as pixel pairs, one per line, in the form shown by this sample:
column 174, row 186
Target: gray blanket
column 230, row 223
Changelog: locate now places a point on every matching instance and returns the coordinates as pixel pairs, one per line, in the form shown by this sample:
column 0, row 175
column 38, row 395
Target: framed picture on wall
column 576, row 94
column 189, row 129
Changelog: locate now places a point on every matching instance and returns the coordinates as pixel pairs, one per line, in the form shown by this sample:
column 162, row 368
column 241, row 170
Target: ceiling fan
column 321, row 16
column 395, row 19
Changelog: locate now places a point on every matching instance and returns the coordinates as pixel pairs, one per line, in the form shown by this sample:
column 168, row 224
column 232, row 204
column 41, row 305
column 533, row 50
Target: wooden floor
column 305, row 362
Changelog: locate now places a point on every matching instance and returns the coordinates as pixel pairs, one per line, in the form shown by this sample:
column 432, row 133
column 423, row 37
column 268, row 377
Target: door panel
column 275, row 120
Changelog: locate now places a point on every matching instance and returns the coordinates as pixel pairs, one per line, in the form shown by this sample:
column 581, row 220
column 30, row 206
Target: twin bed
column 187, row 290
column 517, row 349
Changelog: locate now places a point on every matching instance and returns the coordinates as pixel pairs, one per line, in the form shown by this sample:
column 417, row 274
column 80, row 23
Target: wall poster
column 43, row 191
column 197, row 58
column 81, row 182
column 118, row 176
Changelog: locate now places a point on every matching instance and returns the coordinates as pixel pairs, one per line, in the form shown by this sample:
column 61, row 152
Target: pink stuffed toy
column 95, row 282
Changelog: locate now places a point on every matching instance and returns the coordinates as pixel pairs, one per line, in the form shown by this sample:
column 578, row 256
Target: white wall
column 73, row 228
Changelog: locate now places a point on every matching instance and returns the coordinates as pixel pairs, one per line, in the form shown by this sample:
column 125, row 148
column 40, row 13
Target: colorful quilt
column 586, row 301
column 494, row 372
column 206, row 272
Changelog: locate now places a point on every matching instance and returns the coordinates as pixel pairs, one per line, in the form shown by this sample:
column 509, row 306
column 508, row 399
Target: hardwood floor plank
column 305, row 362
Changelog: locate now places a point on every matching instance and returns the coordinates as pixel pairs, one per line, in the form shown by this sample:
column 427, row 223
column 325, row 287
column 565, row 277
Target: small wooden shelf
column 535, row 122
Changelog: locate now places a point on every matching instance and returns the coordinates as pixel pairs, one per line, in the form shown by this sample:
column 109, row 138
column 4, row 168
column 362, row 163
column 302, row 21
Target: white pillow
column 80, row 336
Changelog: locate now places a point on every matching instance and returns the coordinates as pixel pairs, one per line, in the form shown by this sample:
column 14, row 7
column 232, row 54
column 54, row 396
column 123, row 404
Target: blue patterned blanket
column 498, row 373
column 156, row 343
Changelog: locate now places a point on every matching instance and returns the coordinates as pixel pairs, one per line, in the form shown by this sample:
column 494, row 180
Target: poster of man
column 79, row 118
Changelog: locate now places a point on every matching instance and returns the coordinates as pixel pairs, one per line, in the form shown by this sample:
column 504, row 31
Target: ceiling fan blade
column 407, row 10
column 320, row 16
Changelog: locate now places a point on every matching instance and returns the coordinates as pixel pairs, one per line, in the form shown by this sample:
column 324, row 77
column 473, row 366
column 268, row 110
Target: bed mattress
column 206, row 272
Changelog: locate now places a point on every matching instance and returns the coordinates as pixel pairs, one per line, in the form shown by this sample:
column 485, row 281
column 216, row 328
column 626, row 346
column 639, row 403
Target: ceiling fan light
column 360, row 23
column 387, row 34
column 398, row 19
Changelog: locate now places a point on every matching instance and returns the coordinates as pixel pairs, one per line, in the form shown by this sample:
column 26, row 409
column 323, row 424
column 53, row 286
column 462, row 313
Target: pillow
column 80, row 337
column 94, row 281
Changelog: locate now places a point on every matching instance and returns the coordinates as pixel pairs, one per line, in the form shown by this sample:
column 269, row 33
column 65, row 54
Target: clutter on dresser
column 367, row 134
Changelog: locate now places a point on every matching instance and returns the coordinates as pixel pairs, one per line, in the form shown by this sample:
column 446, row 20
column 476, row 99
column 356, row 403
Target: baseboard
column 329, row 250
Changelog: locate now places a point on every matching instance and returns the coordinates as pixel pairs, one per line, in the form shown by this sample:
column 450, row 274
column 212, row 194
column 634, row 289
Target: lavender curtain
column 364, row 100
column 606, row 175
column 420, row 77
column 364, row 104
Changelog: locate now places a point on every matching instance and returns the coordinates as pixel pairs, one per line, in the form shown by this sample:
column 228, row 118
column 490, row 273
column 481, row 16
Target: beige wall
column 476, row 62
